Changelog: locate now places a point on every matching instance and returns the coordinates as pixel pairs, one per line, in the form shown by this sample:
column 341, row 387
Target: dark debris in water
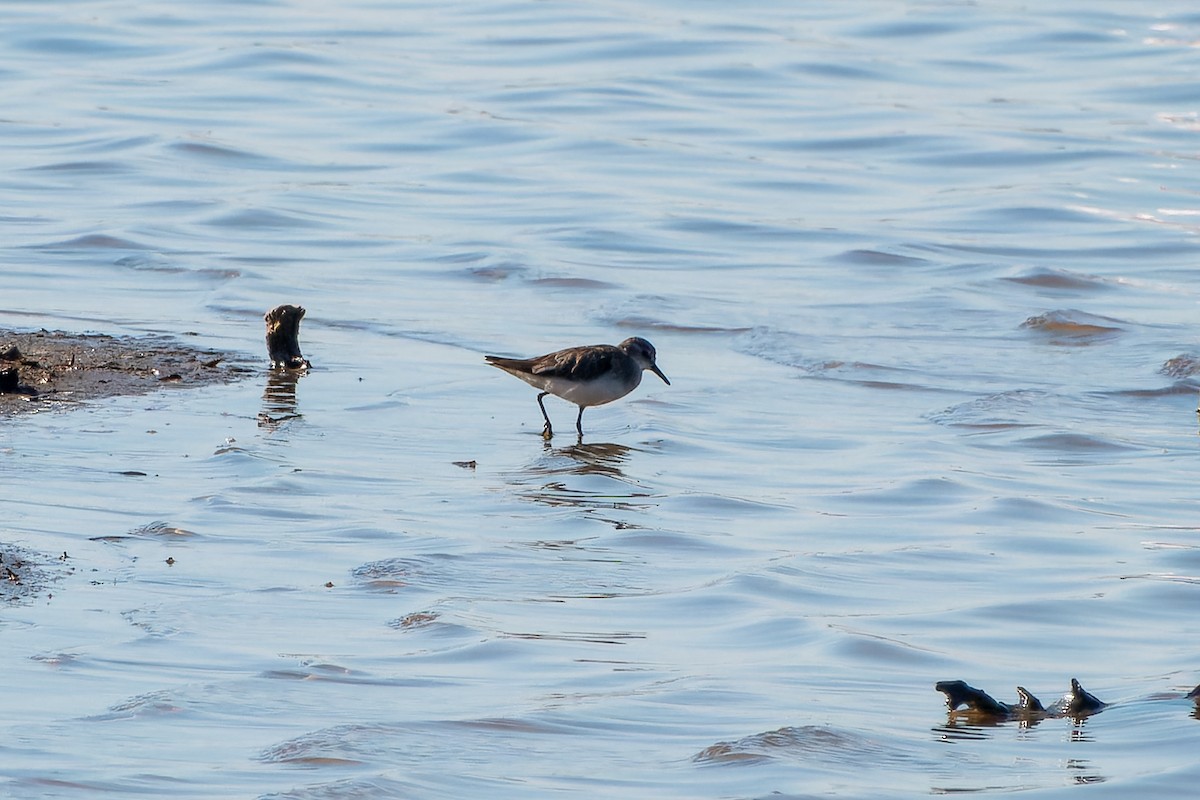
column 25, row 574
column 43, row 368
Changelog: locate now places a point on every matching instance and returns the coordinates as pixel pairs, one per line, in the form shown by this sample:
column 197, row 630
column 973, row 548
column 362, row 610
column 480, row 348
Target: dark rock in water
column 1076, row 703
column 1079, row 702
column 283, row 337
column 959, row 694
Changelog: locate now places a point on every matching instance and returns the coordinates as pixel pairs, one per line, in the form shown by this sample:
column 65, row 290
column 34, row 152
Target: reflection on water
column 1030, row 749
column 583, row 475
column 279, row 398
column 1083, row 771
column 585, row 459
column 963, row 727
column 960, row 730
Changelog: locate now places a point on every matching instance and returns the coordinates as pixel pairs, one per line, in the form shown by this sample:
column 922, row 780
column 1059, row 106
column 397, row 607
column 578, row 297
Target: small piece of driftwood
column 283, row 337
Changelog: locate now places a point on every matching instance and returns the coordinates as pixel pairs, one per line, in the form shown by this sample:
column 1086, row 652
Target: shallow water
column 923, row 279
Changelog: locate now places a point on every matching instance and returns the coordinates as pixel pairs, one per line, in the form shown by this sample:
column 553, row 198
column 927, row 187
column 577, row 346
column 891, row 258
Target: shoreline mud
column 49, row 369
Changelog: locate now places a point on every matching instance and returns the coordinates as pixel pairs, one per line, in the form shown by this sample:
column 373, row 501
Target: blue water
column 914, row 271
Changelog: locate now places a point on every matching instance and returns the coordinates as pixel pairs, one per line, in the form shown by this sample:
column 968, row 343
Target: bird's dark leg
column 547, row 431
column 579, row 422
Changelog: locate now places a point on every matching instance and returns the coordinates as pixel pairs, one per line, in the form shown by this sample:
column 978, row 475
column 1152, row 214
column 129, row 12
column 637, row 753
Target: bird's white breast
column 596, row 392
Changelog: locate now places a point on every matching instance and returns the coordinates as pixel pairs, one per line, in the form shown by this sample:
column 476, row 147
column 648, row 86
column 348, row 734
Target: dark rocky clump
column 1077, row 703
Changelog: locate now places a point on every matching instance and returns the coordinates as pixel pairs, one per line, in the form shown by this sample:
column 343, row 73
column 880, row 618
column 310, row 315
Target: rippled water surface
column 923, row 277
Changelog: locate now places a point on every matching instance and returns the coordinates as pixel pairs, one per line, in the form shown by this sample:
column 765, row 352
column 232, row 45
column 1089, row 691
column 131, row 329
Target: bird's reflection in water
column 279, row 398
column 584, row 475
column 599, row 458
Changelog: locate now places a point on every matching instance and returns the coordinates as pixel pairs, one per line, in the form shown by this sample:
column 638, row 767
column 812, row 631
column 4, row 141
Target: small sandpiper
column 591, row 375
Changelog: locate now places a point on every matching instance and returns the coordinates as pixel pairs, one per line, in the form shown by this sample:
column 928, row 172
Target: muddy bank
column 43, row 369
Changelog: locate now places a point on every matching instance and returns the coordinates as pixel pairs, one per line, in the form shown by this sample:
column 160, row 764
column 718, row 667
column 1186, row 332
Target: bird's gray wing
column 577, row 363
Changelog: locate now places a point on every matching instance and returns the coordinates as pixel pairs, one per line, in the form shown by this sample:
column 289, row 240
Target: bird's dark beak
column 654, row 368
